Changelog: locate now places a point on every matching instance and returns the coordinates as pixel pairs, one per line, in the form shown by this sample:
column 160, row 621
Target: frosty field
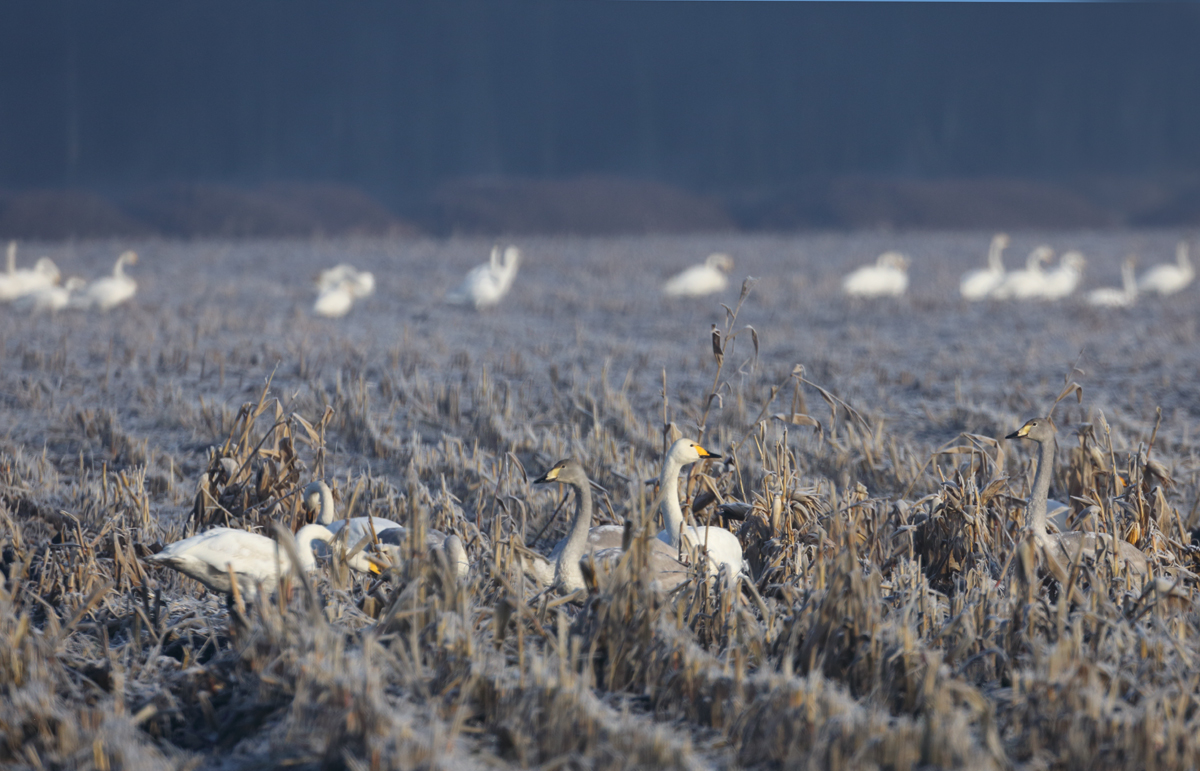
column 873, row 634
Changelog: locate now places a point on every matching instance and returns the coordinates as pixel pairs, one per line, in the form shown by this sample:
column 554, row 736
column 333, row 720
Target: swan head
column 128, row 258
column 315, row 495
column 686, row 451
column 568, row 471
column 722, row 262
column 1038, row 430
column 1181, row 255
column 512, row 258
column 46, row 267
column 892, row 260
column 1073, row 260
column 1000, row 241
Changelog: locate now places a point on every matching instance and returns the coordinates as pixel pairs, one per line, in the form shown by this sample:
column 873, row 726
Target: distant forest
column 768, row 114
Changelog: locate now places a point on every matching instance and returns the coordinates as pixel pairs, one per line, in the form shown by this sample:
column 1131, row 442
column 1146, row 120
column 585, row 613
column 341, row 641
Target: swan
column 722, row 546
column 486, row 284
column 888, row 276
column 111, row 291
column 336, row 300
column 700, row 280
column 392, row 541
column 978, row 284
column 18, row 283
column 1062, row 548
column 390, row 535
column 1108, row 297
column 1168, row 279
column 359, row 282
column 604, row 543
column 1027, row 283
column 254, row 559
column 51, row 298
column 1064, row 278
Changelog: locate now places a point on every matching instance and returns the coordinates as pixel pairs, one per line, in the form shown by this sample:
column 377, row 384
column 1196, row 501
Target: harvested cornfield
column 894, row 616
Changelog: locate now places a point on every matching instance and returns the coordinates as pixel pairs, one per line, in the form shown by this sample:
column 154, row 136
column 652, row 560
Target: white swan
column 700, row 280
column 336, row 300
column 1167, row 279
column 486, row 284
column 978, row 284
column 604, row 543
column 254, row 559
column 887, row 277
column 722, row 546
column 51, row 298
column 1064, row 278
column 360, row 282
column 111, row 291
column 1061, row 548
column 1108, row 297
column 1025, row 284
column 18, row 283
column 319, row 498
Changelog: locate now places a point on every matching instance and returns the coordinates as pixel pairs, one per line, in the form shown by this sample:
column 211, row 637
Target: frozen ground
column 107, row 421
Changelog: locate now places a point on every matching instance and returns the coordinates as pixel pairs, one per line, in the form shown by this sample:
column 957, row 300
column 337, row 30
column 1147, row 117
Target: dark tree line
column 398, row 97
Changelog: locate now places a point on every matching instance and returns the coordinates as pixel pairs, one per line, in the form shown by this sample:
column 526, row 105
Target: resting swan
column 1064, row 278
column 1062, row 548
column 1167, row 279
column 486, row 284
column 887, row 277
column 978, row 284
column 51, row 298
column 319, row 498
column 335, row 300
column 562, row 568
column 254, row 559
column 18, row 283
column 1025, row 284
column 700, row 280
column 1107, row 297
column 111, row 291
column 722, row 546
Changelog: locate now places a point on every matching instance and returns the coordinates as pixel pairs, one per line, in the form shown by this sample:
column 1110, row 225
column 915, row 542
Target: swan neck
column 1035, row 517
column 567, row 570
column 669, row 485
column 304, row 542
column 328, row 514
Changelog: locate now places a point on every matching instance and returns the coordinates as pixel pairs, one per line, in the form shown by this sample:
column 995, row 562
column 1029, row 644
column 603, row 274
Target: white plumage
column 111, row 291
column 887, row 277
column 254, row 559
column 1028, row 283
column 1109, row 297
column 978, row 284
column 18, row 283
column 486, row 284
column 51, row 298
column 1064, row 278
column 1167, row 279
column 699, row 280
column 723, row 547
column 338, row 287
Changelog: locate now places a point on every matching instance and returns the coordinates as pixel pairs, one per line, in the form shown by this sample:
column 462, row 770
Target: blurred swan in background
column 1167, row 279
column 18, row 283
column 1064, row 278
column 51, row 298
column 1027, row 283
column 336, row 300
column 887, row 277
column 361, row 283
column 253, row 558
column 1108, row 297
column 486, row 284
column 978, row 284
column 700, row 280
column 111, row 291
